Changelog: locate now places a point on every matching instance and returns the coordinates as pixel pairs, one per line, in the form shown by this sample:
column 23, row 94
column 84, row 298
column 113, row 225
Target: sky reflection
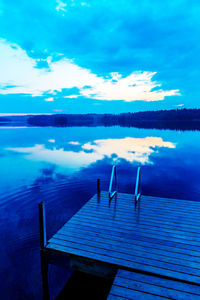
column 76, row 155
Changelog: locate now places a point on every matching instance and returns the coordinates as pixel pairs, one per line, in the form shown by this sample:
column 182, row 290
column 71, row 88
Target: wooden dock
column 150, row 246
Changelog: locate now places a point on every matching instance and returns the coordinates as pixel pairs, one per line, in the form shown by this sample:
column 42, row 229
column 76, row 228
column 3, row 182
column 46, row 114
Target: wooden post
column 44, row 273
column 42, row 220
column 43, row 243
column 98, row 186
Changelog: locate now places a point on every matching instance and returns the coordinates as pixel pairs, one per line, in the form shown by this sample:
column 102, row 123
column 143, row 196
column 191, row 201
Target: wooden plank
column 135, row 235
column 187, row 267
column 189, row 220
column 130, row 248
column 138, row 219
column 161, row 235
column 128, row 211
column 157, row 225
column 159, row 281
column 144, row 206
column 182, row 221
column 131, row 218
column 89, row 233
column 114, row 253
column 149, row 201
column 158, row 237
column 192, row 203
column 151, row 210
column 134, row 222
column 127, row 198
column 145, row 224
column 126, row 264
column 117, row 246
column 150, row 288
column 125, row 293
column 166, row 204
column 119, row 208
column 126, row 283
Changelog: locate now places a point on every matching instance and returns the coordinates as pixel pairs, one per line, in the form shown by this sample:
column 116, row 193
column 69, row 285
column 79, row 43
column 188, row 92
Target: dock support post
column 43, row 242
column 98, row 186
column 42, row 220
column 44, row 273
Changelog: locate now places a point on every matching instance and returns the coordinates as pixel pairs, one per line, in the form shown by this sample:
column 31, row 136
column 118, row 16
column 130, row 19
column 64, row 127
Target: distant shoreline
column 180, row 119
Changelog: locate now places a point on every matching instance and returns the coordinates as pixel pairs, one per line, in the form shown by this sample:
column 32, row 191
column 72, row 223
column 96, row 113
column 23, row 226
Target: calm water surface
column 60, row 166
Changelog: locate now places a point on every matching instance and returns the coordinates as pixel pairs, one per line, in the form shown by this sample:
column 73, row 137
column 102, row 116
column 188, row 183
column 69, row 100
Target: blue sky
column 99, row 56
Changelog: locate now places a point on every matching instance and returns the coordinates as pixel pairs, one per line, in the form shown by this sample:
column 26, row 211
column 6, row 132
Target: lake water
column 60, row 166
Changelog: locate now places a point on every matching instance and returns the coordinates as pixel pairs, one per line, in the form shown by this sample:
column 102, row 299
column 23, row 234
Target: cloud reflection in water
column 131, row 149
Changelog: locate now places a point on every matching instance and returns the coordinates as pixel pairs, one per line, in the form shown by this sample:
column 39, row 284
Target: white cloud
column 74, row 143
column 61, row 6
column 137, row 86
column 20, row 75
column 49, row 99
column 51, row 141
column 85, row 4
column 72, row 96
column 179, row 105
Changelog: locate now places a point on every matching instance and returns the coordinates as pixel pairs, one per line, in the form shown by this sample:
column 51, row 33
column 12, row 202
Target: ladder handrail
column 138, row 185
column 113, row 174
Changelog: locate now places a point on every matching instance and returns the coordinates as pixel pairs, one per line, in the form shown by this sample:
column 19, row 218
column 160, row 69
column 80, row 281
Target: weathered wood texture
column 157, row 236
column 130, row 285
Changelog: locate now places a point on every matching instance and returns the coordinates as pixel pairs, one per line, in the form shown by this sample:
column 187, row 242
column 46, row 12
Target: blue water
column 60, row 166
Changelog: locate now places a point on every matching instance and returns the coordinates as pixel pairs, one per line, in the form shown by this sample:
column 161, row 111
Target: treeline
column 183, row 119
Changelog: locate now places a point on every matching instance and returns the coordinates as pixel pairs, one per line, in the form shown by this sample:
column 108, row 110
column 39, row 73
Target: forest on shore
column 183, row 119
